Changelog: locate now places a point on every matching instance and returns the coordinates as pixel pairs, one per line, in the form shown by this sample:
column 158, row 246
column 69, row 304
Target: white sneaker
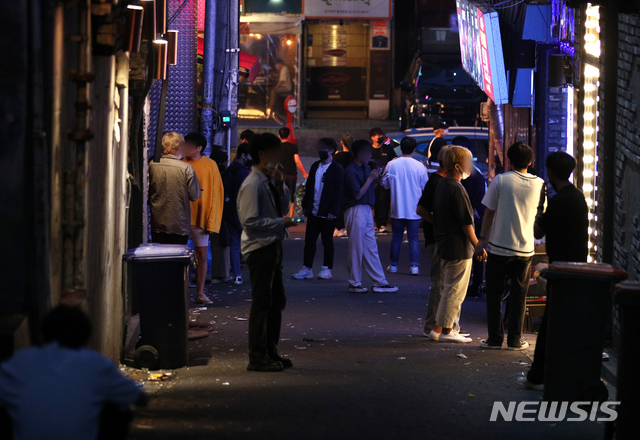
column 325, row 273
column 453, row 337
column 305, row 274
column 384, row 289
column 237, row 280
column 523, row 345
column 382, row 229
column 415, row 270
column 392, row 269
column 357, row 289
column 434, row 336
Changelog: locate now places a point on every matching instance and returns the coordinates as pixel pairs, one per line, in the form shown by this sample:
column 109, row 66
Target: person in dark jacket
column 476, row 187
column 322, row 204
column 232, row 179
column 344, row 158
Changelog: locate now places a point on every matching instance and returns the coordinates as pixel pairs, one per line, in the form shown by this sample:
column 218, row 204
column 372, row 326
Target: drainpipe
column 208, row 67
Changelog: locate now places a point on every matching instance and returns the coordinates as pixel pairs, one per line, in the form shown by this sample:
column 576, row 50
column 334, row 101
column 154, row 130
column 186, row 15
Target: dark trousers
column 478, row 266
column 268, row 300
column 382, row 206
column 291, row 181
column 536, row 372
column 162, row 238
column 323, row 227
column 499, row 270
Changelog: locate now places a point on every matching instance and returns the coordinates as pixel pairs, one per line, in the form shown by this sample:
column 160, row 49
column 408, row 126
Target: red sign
column 333, row 79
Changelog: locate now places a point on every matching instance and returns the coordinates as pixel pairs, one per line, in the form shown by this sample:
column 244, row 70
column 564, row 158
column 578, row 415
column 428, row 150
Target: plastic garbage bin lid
column 628, row 293
column 601, row 269
column 156, row 251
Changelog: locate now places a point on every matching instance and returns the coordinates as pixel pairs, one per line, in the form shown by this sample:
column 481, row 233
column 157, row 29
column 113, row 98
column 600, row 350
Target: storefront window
column 277, row 47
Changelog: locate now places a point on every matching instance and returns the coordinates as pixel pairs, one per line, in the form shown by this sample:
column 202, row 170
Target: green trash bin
column 161, row 274
column 580, row 302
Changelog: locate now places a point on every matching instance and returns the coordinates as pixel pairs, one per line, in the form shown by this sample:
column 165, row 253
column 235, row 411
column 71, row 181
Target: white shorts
column 199, row 237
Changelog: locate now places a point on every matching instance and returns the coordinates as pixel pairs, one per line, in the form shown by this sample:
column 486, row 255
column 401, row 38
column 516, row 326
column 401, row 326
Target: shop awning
column 249, row 64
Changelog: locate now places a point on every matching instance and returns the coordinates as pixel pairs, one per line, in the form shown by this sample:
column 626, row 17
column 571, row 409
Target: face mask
column 324, row 155
column 463, row 174
column 270, row 166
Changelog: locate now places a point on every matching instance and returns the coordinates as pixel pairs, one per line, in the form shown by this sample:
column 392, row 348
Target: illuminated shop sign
column 481, row 49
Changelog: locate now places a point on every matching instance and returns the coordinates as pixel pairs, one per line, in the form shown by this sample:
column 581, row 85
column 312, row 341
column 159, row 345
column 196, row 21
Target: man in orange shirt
column 206, row 212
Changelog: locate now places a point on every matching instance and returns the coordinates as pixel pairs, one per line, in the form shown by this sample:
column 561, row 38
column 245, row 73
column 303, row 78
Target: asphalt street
column 362, row 369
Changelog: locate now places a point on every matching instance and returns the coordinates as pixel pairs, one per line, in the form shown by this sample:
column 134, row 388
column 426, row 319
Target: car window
column 431, row 75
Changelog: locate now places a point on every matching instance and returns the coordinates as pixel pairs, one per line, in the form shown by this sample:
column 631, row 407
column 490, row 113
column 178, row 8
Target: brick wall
column 627, row 150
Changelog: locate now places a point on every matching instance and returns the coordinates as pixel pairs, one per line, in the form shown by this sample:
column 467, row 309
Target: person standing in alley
column 344, row 157
column 173, row 184
column 381, row 155
column 565, row 223
column 282, row 89
column 425, row 210
column 206, row 212
column 439, row 131
column 512, row 201
column 262, row 201
column 456, row 238
column 359, row 182
column 406, row 178
column 476, row 187
column 291, row 163
column 63, row 390
column 322, row 204
column 232, row 180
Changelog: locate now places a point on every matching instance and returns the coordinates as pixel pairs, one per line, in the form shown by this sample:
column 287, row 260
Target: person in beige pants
column 359, row 197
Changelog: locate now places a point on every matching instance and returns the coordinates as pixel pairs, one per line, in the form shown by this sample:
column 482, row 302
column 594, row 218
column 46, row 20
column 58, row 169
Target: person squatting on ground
column 262, row 201
column 359, row 197
column 405, row 177
column 207, row 211
column 63, row 390
column 322, row 204
column 456, row 238
column 173, row 184
column 513, row 201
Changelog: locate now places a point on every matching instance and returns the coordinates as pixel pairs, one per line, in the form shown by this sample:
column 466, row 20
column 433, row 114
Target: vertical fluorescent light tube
column 160, row 48
column 161, row 16
column 172, row 55
column 149, row 21
column 135, row 16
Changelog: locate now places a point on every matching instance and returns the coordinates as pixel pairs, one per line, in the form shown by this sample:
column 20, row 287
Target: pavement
column 362, row 369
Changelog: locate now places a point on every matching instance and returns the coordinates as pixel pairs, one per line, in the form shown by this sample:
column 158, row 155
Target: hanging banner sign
column 481, row 49
column 380, row 9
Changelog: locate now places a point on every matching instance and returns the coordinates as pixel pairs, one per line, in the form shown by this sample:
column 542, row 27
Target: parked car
column 476, row 139
column 436, row 84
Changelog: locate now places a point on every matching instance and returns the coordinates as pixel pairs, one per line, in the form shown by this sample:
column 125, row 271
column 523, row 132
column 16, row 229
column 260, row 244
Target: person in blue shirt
column 359, row 197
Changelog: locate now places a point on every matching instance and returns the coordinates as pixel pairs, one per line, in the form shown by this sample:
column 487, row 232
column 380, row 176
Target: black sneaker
column 265, row 365
column 285, row 361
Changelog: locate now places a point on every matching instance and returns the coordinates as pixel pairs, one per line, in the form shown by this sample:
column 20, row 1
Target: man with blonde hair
column 173, row 184
column 455, row 234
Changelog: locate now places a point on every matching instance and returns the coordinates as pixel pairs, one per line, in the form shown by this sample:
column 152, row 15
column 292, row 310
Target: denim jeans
column 499, row 270
column 413, row 234
column 235, row 232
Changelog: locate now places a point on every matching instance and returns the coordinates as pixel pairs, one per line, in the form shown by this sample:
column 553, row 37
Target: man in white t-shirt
column 406, row 178
column 322, row 203
column 513, row 200
column 284, row 87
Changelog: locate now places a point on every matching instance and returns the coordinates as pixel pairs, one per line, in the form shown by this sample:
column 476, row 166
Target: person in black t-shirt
column 565, row 223
column 290, row 161
column 438, row 141
column 344, row 157
column 381, row 154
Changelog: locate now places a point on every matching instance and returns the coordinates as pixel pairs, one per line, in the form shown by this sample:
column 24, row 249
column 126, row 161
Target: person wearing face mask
column 513, row 200
column 565, row 223
column 173, row 184
column 322, row 204
column 381, row 155
column 456, row 238
column 262, row 201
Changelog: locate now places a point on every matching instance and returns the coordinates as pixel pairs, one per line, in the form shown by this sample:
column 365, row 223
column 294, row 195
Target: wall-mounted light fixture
column 135, row 15
column 161, row 16
column 160, row 48
column 172, row 50
column 149, row 20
